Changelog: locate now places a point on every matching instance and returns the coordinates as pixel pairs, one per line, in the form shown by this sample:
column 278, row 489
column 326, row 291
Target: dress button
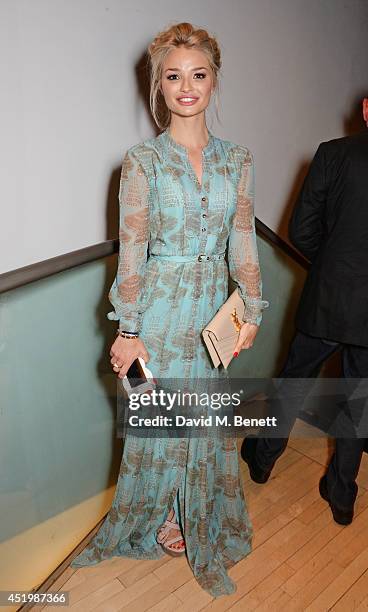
column 203, row 229
column 204, row 199
column 204, row 215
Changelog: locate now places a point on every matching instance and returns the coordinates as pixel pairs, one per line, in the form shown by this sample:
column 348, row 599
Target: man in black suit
column 329, row 226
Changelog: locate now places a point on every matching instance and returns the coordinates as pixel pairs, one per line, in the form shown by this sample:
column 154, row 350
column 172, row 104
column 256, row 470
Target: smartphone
column 138, row 378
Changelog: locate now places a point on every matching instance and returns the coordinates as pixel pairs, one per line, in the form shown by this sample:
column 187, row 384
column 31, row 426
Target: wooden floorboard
column 301, row 559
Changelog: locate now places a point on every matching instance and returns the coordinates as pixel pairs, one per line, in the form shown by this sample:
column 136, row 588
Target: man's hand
column 365, row 110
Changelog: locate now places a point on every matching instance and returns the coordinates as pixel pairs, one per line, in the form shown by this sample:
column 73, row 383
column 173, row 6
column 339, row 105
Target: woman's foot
column 169, row 536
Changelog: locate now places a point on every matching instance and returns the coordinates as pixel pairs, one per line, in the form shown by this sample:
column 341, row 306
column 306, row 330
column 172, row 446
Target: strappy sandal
column 166, row 541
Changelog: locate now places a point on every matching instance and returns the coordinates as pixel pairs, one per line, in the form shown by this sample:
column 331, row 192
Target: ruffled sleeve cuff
column 253, row 310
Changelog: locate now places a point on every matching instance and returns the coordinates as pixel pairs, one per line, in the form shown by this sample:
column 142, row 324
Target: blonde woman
column 185, row 196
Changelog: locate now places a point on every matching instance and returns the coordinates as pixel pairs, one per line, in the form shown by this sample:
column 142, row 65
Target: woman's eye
column 172, row 77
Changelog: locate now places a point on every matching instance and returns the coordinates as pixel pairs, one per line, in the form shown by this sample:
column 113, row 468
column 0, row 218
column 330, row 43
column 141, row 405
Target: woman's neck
column 192, row 134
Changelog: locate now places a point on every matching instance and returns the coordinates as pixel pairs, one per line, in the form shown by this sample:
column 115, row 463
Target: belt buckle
column 203, row 257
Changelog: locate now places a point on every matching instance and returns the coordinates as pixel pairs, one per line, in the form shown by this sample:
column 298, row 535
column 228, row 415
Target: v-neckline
column 181, row 149
column 195, row 175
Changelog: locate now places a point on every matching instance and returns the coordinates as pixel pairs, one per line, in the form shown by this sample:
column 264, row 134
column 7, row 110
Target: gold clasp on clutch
column 235, row 320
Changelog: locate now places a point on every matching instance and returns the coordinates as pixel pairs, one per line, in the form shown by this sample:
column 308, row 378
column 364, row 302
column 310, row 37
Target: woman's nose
column 186, row 84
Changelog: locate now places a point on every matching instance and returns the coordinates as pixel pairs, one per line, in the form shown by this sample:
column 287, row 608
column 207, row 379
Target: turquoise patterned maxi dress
column 162, row 289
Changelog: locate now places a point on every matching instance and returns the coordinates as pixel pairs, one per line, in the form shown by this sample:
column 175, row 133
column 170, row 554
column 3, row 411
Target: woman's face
column 187, row 81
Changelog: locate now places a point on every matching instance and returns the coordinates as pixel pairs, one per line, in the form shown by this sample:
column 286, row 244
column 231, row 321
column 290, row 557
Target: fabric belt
column 184, row 258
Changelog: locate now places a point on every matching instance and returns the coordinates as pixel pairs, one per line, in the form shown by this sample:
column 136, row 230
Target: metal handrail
column 48, row 267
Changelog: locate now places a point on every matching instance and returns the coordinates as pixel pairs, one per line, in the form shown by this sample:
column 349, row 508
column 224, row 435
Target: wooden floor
column 301, row 559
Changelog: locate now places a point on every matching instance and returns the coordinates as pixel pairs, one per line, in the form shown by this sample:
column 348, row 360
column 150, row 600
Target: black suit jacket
column 329, row 226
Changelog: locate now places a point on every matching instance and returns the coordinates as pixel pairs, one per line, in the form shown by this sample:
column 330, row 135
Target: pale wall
column 292, row 70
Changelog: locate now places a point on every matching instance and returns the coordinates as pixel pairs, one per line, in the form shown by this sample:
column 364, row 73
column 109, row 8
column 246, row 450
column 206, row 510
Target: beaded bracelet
column 128, row 335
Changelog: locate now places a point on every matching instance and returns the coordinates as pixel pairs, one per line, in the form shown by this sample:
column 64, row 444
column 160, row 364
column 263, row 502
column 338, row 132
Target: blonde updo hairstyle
column 178, row 35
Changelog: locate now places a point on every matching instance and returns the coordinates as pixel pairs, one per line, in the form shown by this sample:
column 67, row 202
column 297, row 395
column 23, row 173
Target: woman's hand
column 124, row 351
column 247, row 334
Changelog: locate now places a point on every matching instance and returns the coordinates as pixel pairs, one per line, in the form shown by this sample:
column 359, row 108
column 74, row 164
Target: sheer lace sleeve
column 243, row 254
column 126, row 292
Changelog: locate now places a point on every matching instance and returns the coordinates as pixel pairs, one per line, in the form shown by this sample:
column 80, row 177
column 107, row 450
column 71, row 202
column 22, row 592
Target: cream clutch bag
column 221, row 333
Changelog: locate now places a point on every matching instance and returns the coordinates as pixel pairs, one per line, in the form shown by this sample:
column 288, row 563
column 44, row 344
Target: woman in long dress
column 185, row 197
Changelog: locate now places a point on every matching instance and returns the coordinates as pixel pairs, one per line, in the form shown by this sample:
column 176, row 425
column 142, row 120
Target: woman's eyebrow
column 178, row 69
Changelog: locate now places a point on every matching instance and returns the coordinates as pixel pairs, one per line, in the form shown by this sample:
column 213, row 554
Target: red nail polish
column 236, row 354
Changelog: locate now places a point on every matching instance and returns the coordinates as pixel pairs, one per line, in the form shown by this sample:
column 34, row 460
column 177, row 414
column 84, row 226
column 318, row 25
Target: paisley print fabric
column 161, row 289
